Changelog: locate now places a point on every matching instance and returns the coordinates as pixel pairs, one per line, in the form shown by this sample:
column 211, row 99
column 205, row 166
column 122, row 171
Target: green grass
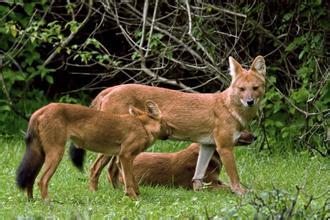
column 273, row 180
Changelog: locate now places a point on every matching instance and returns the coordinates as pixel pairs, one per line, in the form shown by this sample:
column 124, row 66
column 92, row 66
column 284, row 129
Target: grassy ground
column 290, row 184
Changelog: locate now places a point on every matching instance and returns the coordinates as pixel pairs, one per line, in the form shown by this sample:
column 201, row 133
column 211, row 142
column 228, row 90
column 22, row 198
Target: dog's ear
column 259, row 65
column 134, row 111
column 234, row 68
column 152, row 109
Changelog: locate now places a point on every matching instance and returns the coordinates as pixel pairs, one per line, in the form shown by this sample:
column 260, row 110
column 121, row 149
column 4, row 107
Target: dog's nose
column 250, row 102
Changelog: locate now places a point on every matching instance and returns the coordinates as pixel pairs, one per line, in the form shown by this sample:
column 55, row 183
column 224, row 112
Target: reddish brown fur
column 122, row 135
column 166, row 169
column 214, row 119
column 172, row 169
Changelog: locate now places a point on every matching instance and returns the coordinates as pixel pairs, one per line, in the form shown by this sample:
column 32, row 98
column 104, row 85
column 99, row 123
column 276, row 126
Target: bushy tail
column 31, row 163
column 77, row 156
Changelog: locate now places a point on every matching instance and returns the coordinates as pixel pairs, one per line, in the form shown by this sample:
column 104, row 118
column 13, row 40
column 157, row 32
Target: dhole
column 52, row 125
column 213, row 120
column 166, row 169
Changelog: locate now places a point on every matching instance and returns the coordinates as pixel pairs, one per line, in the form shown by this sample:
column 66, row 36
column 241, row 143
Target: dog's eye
column 255, row 88
column 242, row 89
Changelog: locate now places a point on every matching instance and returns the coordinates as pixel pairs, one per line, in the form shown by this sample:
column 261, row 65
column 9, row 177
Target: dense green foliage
column 43, row 43
column 297, row 101
column 274, row 181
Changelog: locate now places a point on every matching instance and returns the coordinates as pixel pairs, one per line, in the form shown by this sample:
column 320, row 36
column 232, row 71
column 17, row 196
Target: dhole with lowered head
column 213, row 120
column 166, row 169
column 52, row 125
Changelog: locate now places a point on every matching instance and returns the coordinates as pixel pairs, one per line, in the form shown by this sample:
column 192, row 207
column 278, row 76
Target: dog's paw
column 92, row 186
column 239, row 191
column 130, row 193
column 197, row 185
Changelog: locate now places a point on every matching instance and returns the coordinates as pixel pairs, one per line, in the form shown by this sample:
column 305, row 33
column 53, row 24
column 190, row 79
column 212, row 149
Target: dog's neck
column 152, row 127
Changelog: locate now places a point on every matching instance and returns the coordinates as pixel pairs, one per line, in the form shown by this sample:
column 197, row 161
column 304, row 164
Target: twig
column 5, row 91
column 131, row 42
column 317, row 150
column 72, row 35
column 165, row 80
column 226, row 34
column 144, row 20
column 151, row 26
column 322, row 83
column 293, row 204
column 227, row 11
column 143, row 66
column 185, row 46
column 192, row 36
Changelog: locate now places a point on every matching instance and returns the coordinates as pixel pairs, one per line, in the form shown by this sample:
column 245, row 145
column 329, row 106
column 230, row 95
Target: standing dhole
column 213, row 120
column 52, row 125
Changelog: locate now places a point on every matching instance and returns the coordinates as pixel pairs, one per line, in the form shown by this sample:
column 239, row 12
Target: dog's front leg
column 126, row 161
column 205, row 154
column 225, row 147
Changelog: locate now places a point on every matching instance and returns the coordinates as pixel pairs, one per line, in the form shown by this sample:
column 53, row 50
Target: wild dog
column 52, row 125
column 166, row 169
column 213, row 120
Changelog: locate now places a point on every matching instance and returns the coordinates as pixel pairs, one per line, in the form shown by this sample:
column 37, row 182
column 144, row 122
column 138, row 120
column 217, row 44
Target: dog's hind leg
column 114, row 171
column 52, row 160
column 95, row 171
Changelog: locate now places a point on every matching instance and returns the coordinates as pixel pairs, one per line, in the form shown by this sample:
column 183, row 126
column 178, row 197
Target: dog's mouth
column 248, row 104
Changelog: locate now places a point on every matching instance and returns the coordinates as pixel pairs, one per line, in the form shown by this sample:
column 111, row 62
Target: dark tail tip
column 77, row 156
column 30, row 166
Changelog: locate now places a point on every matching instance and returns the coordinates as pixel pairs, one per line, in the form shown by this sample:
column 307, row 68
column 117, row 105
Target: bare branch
column 164, row 80
column 144, row 18
column 192, row 36
column 151, row 26
column 5, row 91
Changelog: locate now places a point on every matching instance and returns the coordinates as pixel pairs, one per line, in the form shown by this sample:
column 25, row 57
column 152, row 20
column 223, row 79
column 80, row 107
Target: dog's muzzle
column 250, row 102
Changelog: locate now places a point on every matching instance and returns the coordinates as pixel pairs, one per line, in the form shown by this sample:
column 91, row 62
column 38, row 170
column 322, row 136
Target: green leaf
column 287, row 16
column 5, row 108
column 74, row 25
column 13, row 30
column 278, row 124
column 295, row 43
column 277, row 107
column 58, row 49
column 29, row 8
column 301, row 54
column 136, row 55
column 50, row 79
column 94, row 42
